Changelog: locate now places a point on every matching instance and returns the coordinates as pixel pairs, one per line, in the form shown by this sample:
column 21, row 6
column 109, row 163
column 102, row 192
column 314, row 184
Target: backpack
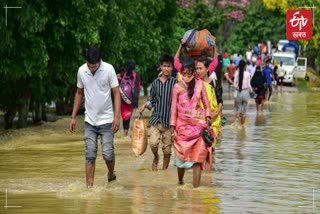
column 127, row 87
column 130, row 89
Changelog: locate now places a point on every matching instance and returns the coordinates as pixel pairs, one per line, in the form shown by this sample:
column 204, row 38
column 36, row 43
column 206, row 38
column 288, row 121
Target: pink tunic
column 189, row 118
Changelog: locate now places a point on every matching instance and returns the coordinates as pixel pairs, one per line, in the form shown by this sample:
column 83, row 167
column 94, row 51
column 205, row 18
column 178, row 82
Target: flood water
column 272, row 165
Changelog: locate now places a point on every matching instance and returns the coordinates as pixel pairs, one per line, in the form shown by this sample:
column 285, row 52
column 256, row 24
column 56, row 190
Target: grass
column 312, row 84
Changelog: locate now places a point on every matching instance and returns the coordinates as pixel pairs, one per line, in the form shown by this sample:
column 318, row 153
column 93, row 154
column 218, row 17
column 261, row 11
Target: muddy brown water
column 272, row 165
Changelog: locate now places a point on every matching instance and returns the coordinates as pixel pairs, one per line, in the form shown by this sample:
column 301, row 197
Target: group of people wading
column 181, row 107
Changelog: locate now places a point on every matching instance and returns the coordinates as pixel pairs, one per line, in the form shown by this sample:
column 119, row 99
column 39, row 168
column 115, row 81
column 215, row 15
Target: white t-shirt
column 97, row 92
column 248, row 55
column 252, row 69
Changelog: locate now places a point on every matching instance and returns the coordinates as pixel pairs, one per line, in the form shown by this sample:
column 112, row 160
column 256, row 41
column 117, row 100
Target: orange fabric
column 201, row 46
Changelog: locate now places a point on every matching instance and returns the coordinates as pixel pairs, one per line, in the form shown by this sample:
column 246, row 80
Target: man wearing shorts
column 160, row 101
column 96, row 80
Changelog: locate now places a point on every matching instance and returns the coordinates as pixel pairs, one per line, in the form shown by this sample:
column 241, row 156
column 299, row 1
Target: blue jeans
column 91, row 134
column 242, row 100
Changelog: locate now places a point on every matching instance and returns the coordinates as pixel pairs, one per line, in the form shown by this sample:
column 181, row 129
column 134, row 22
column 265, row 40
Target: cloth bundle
column 197, row 43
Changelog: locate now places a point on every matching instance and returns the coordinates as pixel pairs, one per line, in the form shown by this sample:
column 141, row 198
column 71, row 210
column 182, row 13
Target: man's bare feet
column 181, row 182
column 155, row 163
column 111, row 177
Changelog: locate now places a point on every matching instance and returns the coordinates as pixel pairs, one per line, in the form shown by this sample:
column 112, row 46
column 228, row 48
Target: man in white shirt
column 249, row 55
column 96, row 79
column 252, row 66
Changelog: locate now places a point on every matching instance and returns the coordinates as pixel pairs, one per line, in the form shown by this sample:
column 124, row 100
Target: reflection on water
column 269, row 166
column 260, row 120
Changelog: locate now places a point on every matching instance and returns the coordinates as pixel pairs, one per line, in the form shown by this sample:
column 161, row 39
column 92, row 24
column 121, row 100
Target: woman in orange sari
column 187, row 119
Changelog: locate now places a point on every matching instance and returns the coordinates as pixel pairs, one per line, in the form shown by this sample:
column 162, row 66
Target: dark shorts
column 269, row 87
column 280, row 80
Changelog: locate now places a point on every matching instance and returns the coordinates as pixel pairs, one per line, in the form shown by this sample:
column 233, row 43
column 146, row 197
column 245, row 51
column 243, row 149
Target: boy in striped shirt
column 160, row 102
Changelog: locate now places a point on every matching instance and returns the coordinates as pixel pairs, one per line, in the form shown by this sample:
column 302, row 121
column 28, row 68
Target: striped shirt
column 161, row 97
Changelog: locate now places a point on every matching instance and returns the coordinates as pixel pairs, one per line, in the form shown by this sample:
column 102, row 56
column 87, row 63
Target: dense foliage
column 43, row 43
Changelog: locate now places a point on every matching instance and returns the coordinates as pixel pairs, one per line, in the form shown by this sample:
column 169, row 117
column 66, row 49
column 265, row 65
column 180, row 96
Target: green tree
column 313, row 45
column 43, row 46
column 24, row 57
column 72, row 26
column 138, row 30
column 259, row 24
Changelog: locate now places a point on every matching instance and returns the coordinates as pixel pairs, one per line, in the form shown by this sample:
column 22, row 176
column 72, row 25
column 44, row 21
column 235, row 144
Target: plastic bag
column 139, row 136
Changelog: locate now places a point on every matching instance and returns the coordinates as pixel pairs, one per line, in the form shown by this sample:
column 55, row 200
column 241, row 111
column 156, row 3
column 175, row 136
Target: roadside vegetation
column 44, row 43
column 310, row 84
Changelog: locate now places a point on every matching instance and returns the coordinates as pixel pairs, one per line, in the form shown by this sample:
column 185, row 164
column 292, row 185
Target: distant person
column 275, row 74
column 282, row 73
column 249, row 55
column 263, row 51
column 262, row 48
column 269, row 48
column 160, row 102
column 229, row 75
column 267, row 72
column 256, row 50
column 252, row 66
column 130, row 85
column 237, row 60
column 96, row 80
column 258, row 82
column 259, row 62
column 243, row 89
column 226, row 60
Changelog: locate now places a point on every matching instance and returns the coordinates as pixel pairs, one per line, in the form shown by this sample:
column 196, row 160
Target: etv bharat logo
column 299, row 24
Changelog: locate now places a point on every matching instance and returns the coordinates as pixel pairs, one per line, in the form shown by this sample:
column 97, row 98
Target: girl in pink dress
column 187, row 119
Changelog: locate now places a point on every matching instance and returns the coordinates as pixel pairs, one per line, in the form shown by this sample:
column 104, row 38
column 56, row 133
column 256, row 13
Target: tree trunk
column 23, row 112
column 44, row 112
column 37, row 114
column 60, row 107
column 316, row 64
column 145, row 91
column 9, row 116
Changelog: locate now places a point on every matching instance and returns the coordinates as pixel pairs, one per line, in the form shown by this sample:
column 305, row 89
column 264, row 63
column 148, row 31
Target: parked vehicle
column 291, row 47
column 281, row 43
column 300, row 70
column 288, row 59
column 294, row 67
